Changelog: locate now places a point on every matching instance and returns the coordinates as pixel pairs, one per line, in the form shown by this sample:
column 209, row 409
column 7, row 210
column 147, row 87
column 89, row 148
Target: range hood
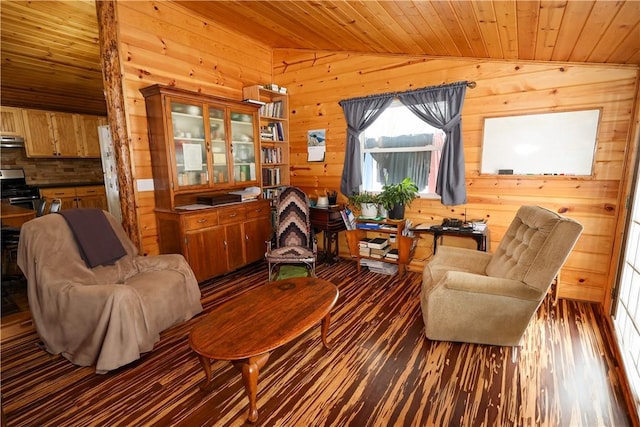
column 11, row 141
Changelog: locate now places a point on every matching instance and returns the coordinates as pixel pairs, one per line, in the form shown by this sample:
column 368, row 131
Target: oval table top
column 263, row 318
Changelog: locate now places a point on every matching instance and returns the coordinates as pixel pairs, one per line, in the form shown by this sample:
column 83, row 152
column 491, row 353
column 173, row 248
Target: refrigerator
column 110, row 172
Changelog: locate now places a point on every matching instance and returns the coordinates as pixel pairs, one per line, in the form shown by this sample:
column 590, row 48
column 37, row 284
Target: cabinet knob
column 202, row 220
column 233, row 215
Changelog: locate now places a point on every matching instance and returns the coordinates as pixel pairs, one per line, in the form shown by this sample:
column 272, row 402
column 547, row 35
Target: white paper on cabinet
column 192, row 157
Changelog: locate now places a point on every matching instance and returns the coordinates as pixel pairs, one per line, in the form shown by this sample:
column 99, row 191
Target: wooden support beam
column 114, row 94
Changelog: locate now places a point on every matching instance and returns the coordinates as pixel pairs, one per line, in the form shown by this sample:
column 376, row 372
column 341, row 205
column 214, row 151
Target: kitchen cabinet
column 89, row 196
column 11, row 122
column 216, row 240
column 89, row 138
column 56, row 134
column 199, row 143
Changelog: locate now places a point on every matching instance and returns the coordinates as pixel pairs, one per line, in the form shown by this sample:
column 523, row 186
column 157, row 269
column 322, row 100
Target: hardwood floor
column 381, row 371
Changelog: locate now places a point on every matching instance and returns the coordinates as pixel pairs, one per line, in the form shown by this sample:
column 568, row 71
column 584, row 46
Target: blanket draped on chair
column 105, row 316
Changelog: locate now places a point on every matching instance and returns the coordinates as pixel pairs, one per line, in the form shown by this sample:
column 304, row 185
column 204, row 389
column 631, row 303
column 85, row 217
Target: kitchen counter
column 69, row 184
column 15, row 216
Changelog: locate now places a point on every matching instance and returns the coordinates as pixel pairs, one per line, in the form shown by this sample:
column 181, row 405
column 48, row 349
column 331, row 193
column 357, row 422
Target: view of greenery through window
column 399, row 145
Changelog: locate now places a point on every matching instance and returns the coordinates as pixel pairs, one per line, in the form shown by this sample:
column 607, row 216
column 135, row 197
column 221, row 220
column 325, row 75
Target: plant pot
column 383, row 212
column 369, row 210
column 397, row 212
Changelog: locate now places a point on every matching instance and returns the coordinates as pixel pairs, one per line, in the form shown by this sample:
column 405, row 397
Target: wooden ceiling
column 50, row 50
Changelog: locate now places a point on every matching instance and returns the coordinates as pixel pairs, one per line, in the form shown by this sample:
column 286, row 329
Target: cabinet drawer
column 258, row 210
column 232, row 214
column 200, row 220
column 92, row 190
column 56, row 193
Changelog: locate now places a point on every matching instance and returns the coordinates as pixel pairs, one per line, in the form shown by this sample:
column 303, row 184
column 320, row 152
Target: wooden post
column 114, row 94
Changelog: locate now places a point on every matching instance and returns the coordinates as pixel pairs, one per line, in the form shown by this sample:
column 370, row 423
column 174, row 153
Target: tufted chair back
column 535, row 246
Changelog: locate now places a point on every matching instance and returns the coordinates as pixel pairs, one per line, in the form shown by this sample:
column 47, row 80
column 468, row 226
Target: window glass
column 399, row 145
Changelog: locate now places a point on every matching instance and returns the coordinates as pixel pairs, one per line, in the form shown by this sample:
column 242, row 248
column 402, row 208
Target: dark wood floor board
column 380, row 371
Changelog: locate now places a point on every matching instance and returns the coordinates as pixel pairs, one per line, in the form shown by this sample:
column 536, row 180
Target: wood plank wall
column 318, row 80
column 161, row 42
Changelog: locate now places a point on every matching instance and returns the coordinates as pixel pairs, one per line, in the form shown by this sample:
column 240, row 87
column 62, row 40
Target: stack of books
column 380, row 253
column 392, row 254
column 378, row 243
column 363, row 246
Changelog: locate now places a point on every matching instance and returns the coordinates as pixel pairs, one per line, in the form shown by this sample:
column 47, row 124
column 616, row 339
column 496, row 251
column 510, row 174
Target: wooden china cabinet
column 203, row 145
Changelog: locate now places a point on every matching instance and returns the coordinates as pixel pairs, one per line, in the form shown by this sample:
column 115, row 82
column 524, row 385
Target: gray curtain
column 359, row 114
column 441, row 107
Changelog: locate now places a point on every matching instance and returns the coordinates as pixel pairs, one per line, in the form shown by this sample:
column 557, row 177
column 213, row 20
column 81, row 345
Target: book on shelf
column 364, row 242
column 379, row 253
column 368, row 226
column 365, row 252
column 254, row 101
column 348, row 218
column 378, row 243
column 392, row 254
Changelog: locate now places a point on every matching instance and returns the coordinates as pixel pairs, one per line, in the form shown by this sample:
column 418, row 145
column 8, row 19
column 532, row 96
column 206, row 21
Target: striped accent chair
column 294, row 241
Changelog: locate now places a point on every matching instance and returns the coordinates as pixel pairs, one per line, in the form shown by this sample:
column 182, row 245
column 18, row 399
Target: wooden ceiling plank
column 550, row 18
column 469, row 24
column 430, row 16
column 421, row 24
column 257, row 16
column 573, row 23
column 623, row 26
column 597, row 23
column 397, row 35
column 313, row 21
column 507, row 28
column 628, row 51
column 528, row 13
column 395, row 10
column 488, row 24
column 454, row 28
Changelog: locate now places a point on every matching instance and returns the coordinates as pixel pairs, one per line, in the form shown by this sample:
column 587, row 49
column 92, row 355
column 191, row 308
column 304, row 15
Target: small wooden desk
column 329, row 221
column 479, row 236
column 246, row 329
column 15, row 216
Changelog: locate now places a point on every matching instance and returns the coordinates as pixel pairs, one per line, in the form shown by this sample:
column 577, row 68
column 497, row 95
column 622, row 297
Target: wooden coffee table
column 246, row 329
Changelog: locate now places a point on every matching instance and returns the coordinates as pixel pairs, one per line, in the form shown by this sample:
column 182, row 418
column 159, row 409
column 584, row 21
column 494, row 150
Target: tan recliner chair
column 109, row 314
column 478, row 297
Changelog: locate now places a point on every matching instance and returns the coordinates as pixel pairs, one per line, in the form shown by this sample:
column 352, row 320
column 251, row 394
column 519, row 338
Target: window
column 399, row 145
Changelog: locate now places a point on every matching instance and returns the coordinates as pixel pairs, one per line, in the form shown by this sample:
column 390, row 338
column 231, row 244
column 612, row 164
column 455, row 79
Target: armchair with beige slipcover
column 106, row 315
column 478, row 297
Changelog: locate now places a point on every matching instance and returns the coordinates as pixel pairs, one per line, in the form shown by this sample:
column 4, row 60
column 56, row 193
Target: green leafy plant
column 357, row 199
column 401, row 194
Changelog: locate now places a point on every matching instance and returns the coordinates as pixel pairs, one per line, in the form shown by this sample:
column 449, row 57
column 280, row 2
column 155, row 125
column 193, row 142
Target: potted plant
column 366, row 203
column 395, row 197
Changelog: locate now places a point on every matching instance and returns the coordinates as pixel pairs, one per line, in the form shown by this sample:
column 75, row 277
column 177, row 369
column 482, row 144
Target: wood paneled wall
column 161, row 42
column 318, row 80
column 164, row 43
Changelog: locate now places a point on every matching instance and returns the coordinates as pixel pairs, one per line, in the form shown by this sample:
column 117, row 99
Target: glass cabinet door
column 243, row 147
column 189, row 144
column 218, row 145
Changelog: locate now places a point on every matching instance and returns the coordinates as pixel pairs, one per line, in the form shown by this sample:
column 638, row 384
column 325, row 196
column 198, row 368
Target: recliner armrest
column 475, row 283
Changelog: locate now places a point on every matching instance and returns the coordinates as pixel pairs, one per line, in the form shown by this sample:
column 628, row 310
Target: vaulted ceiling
column 50, row 50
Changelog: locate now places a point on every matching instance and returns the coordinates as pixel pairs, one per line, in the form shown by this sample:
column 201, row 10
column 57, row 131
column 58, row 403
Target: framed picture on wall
column 316, row 145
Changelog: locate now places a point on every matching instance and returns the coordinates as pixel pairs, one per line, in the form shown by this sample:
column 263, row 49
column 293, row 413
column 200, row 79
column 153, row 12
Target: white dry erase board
column 561, row 143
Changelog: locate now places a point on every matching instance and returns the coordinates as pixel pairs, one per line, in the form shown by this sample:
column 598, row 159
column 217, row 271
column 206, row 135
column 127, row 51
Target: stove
column 14, row 189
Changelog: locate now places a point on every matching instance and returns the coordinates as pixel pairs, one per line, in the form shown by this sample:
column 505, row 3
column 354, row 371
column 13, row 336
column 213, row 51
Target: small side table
column 329, row 221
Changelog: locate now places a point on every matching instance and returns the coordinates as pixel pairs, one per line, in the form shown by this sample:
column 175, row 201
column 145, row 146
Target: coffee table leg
column 206, row 365
column 325, row 328
column 250, row 369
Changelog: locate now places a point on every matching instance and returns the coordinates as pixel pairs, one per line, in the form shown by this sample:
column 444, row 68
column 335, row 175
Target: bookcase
column 274, row 136
column 405, row 245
